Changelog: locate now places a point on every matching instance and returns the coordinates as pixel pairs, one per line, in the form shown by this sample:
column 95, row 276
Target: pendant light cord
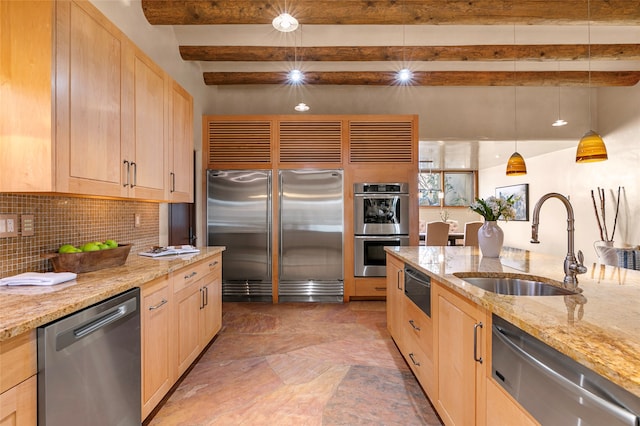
column 589, row 58
column 515, row 92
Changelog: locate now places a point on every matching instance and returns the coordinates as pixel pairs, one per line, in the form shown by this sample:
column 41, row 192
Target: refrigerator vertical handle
column 269, row 224
column 280, row 233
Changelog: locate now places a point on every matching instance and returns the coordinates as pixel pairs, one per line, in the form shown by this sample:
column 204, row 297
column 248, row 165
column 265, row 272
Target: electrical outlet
column 136, row 220
column 8, row 225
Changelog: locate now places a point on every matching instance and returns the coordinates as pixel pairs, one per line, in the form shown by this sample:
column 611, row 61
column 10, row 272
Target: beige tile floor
column 300, row 364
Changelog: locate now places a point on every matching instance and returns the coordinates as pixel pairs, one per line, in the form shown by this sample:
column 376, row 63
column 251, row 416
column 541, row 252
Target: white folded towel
column 39, row 278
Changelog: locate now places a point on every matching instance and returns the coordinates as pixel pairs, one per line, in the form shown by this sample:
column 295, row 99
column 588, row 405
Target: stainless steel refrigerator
column 310, row 236
column 239, row 217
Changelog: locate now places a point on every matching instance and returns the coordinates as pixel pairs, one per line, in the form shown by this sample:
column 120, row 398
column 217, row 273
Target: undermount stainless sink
column 515, row 286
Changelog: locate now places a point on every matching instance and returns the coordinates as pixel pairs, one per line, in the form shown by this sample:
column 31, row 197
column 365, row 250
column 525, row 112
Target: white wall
column 619, row 124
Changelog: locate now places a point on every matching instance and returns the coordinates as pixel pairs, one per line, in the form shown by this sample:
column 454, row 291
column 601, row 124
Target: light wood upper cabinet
column 26, row 126
column 143, row 158
column 84, row 110
column 90, row 102
column 180, row 156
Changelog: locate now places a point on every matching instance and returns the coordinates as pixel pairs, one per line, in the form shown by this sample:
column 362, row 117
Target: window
column 453, row 185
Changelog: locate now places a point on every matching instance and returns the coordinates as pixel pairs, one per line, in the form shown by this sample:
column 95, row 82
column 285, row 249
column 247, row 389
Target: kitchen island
column 599, row 327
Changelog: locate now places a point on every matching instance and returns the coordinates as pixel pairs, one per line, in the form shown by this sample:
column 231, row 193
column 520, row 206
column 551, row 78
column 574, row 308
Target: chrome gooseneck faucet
column 572, row 266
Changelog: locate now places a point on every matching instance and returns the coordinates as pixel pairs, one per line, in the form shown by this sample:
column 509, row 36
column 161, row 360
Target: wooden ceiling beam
column 436, row 78
column 553, row 52
column 394, row 12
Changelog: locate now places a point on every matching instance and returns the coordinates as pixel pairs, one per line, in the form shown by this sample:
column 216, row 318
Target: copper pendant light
column 591, row 147
column 516, row 165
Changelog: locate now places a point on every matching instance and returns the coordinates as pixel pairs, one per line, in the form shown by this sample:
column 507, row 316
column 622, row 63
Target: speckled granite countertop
column 23, row 308
column 599, row 328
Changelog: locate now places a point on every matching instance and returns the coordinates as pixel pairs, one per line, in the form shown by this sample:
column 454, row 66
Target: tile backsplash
column 69, row 220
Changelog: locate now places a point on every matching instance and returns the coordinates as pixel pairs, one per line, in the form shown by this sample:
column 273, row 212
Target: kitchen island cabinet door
column 18, row 406
column 460, row 373
column 395, row 296
column 503, row 410
column 158, row 372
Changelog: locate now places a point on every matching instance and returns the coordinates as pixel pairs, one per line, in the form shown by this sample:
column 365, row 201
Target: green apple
column 67, row 248
column 111, row 243
column 103, row 246
column 90, row 247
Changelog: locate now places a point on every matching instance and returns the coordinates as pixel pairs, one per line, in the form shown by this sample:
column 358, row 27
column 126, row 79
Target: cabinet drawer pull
column 379, row 288
column 416, row 363
column 191, row 275
column 212, row 264
column 154, row 307
column 475, row 342
column 415, row 327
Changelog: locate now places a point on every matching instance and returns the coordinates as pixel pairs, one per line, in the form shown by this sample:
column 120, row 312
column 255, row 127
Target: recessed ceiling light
column 559, row 122
column 295, row 76
column 301, row 107
column 404, row 76
column 285, row 23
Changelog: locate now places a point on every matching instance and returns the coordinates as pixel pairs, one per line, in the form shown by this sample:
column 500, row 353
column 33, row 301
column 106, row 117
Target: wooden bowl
column 90, row 260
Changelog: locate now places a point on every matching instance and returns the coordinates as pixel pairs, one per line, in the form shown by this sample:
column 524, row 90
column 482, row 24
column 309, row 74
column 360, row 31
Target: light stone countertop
column 599, row 328
column 23, row 308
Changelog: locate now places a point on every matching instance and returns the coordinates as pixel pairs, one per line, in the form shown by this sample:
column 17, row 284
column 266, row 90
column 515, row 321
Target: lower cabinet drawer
column 422, row 366
column 370, row 287
column 17, row 359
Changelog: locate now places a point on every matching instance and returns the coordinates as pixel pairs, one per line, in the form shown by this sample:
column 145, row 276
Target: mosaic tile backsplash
column 69, row 220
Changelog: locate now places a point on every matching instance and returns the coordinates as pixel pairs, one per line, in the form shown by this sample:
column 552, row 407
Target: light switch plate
column 27, row 225
column 8, row 225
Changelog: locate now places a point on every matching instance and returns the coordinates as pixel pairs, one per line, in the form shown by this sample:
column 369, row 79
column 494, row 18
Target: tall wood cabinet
column 86, row 111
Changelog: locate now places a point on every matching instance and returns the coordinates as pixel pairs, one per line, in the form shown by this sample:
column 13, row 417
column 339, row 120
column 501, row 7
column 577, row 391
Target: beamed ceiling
column 444, row 42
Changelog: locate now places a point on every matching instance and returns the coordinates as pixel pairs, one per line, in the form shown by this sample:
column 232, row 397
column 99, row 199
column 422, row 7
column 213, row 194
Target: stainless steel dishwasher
column 554, row 388
column 89, row 365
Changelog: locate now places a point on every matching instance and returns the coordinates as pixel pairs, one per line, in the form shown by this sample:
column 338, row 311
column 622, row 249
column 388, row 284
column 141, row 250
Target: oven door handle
column 381, row 237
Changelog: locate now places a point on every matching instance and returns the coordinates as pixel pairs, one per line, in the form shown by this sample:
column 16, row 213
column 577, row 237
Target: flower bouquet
column 494, row 208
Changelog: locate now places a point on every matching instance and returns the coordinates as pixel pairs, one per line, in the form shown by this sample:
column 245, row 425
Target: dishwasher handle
column 70, row 336
column 417, row 276
column 613, row 409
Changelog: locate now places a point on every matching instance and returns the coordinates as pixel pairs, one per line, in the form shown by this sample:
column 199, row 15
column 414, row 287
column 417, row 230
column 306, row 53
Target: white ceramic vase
column 490, row 239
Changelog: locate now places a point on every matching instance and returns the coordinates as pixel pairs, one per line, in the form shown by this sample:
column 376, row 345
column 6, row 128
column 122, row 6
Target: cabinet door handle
column 135, row 174
column 201, row 298
column 206, row 296
column 398, row 279
column 127, row 168
column 191, row 275
column 416, row 363
column 159, row 305
column 413, row 324
column 475, row 342
column 173, row 182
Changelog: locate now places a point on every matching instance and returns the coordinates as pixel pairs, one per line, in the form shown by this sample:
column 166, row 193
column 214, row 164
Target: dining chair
column 471, row 233
column 437, row 234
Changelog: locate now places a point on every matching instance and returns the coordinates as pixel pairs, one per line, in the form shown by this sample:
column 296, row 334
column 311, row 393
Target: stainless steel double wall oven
column 381, row 218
